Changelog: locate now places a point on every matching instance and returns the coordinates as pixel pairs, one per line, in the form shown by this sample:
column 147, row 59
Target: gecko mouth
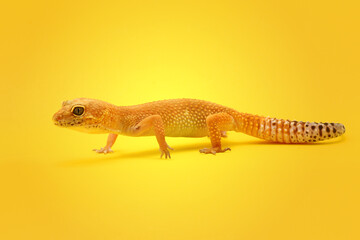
column 65, row 124
column 78, row 126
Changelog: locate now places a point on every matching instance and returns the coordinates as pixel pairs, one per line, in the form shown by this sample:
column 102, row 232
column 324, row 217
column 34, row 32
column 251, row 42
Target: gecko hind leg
column 217, row 125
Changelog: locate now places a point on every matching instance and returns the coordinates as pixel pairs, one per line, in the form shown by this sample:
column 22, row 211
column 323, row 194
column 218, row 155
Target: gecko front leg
column 110, row 142
column 155, row 122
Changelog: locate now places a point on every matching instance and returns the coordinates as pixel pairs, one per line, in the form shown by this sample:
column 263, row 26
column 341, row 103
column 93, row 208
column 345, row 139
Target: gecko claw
column 166, row 152
column 169, row 147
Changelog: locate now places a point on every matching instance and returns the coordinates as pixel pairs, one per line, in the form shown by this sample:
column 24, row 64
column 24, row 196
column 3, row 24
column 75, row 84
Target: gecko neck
column 114, row 119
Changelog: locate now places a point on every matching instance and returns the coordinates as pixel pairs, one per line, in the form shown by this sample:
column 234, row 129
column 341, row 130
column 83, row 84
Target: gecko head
column 81, row 114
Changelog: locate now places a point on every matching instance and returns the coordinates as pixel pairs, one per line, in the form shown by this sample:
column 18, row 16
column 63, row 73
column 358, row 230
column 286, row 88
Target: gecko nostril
column 57, row 117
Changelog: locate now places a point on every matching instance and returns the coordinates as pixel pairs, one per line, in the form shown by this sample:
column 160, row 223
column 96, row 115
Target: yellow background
column 290, row 59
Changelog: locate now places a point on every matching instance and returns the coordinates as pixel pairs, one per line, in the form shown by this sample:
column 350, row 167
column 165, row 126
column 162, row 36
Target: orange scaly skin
column 184, row 118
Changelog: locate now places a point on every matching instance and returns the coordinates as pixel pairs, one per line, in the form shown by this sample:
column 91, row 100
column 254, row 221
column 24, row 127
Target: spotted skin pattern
column 185, row 118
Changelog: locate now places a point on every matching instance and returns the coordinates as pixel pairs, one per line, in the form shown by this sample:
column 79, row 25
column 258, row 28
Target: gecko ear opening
column 78, row 110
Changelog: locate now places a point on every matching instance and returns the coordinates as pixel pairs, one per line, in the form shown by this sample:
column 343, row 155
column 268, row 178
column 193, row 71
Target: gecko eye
column 78, row 110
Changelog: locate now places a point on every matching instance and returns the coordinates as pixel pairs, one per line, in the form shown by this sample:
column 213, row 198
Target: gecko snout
column 57, row 117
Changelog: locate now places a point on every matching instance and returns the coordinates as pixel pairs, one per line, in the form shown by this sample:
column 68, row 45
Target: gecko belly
column 186, row 132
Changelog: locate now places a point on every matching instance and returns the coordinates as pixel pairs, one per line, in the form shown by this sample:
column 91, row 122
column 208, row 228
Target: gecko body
column 184, row 118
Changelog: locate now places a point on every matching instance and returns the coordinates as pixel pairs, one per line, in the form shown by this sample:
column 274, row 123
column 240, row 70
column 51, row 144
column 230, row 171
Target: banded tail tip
column 340, row 128
column 322, row 131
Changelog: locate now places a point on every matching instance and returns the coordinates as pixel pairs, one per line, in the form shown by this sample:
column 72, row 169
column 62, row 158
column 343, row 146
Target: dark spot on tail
column 320, row 128
column 334, row 130
column 328, row 129
column 313, row 127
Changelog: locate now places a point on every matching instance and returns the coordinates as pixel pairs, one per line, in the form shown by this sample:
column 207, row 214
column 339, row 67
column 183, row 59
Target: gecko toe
column 165, row 152
column 208, row 151
column 213, row 150
column 99, row 150
column 103, row 150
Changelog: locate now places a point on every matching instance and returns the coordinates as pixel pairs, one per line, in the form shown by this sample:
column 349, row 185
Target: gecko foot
column 213, row 150
column 104, row 150
column 165, row 151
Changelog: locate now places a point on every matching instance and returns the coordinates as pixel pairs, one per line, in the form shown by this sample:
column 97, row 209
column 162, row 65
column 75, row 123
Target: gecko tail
column 287, row 131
